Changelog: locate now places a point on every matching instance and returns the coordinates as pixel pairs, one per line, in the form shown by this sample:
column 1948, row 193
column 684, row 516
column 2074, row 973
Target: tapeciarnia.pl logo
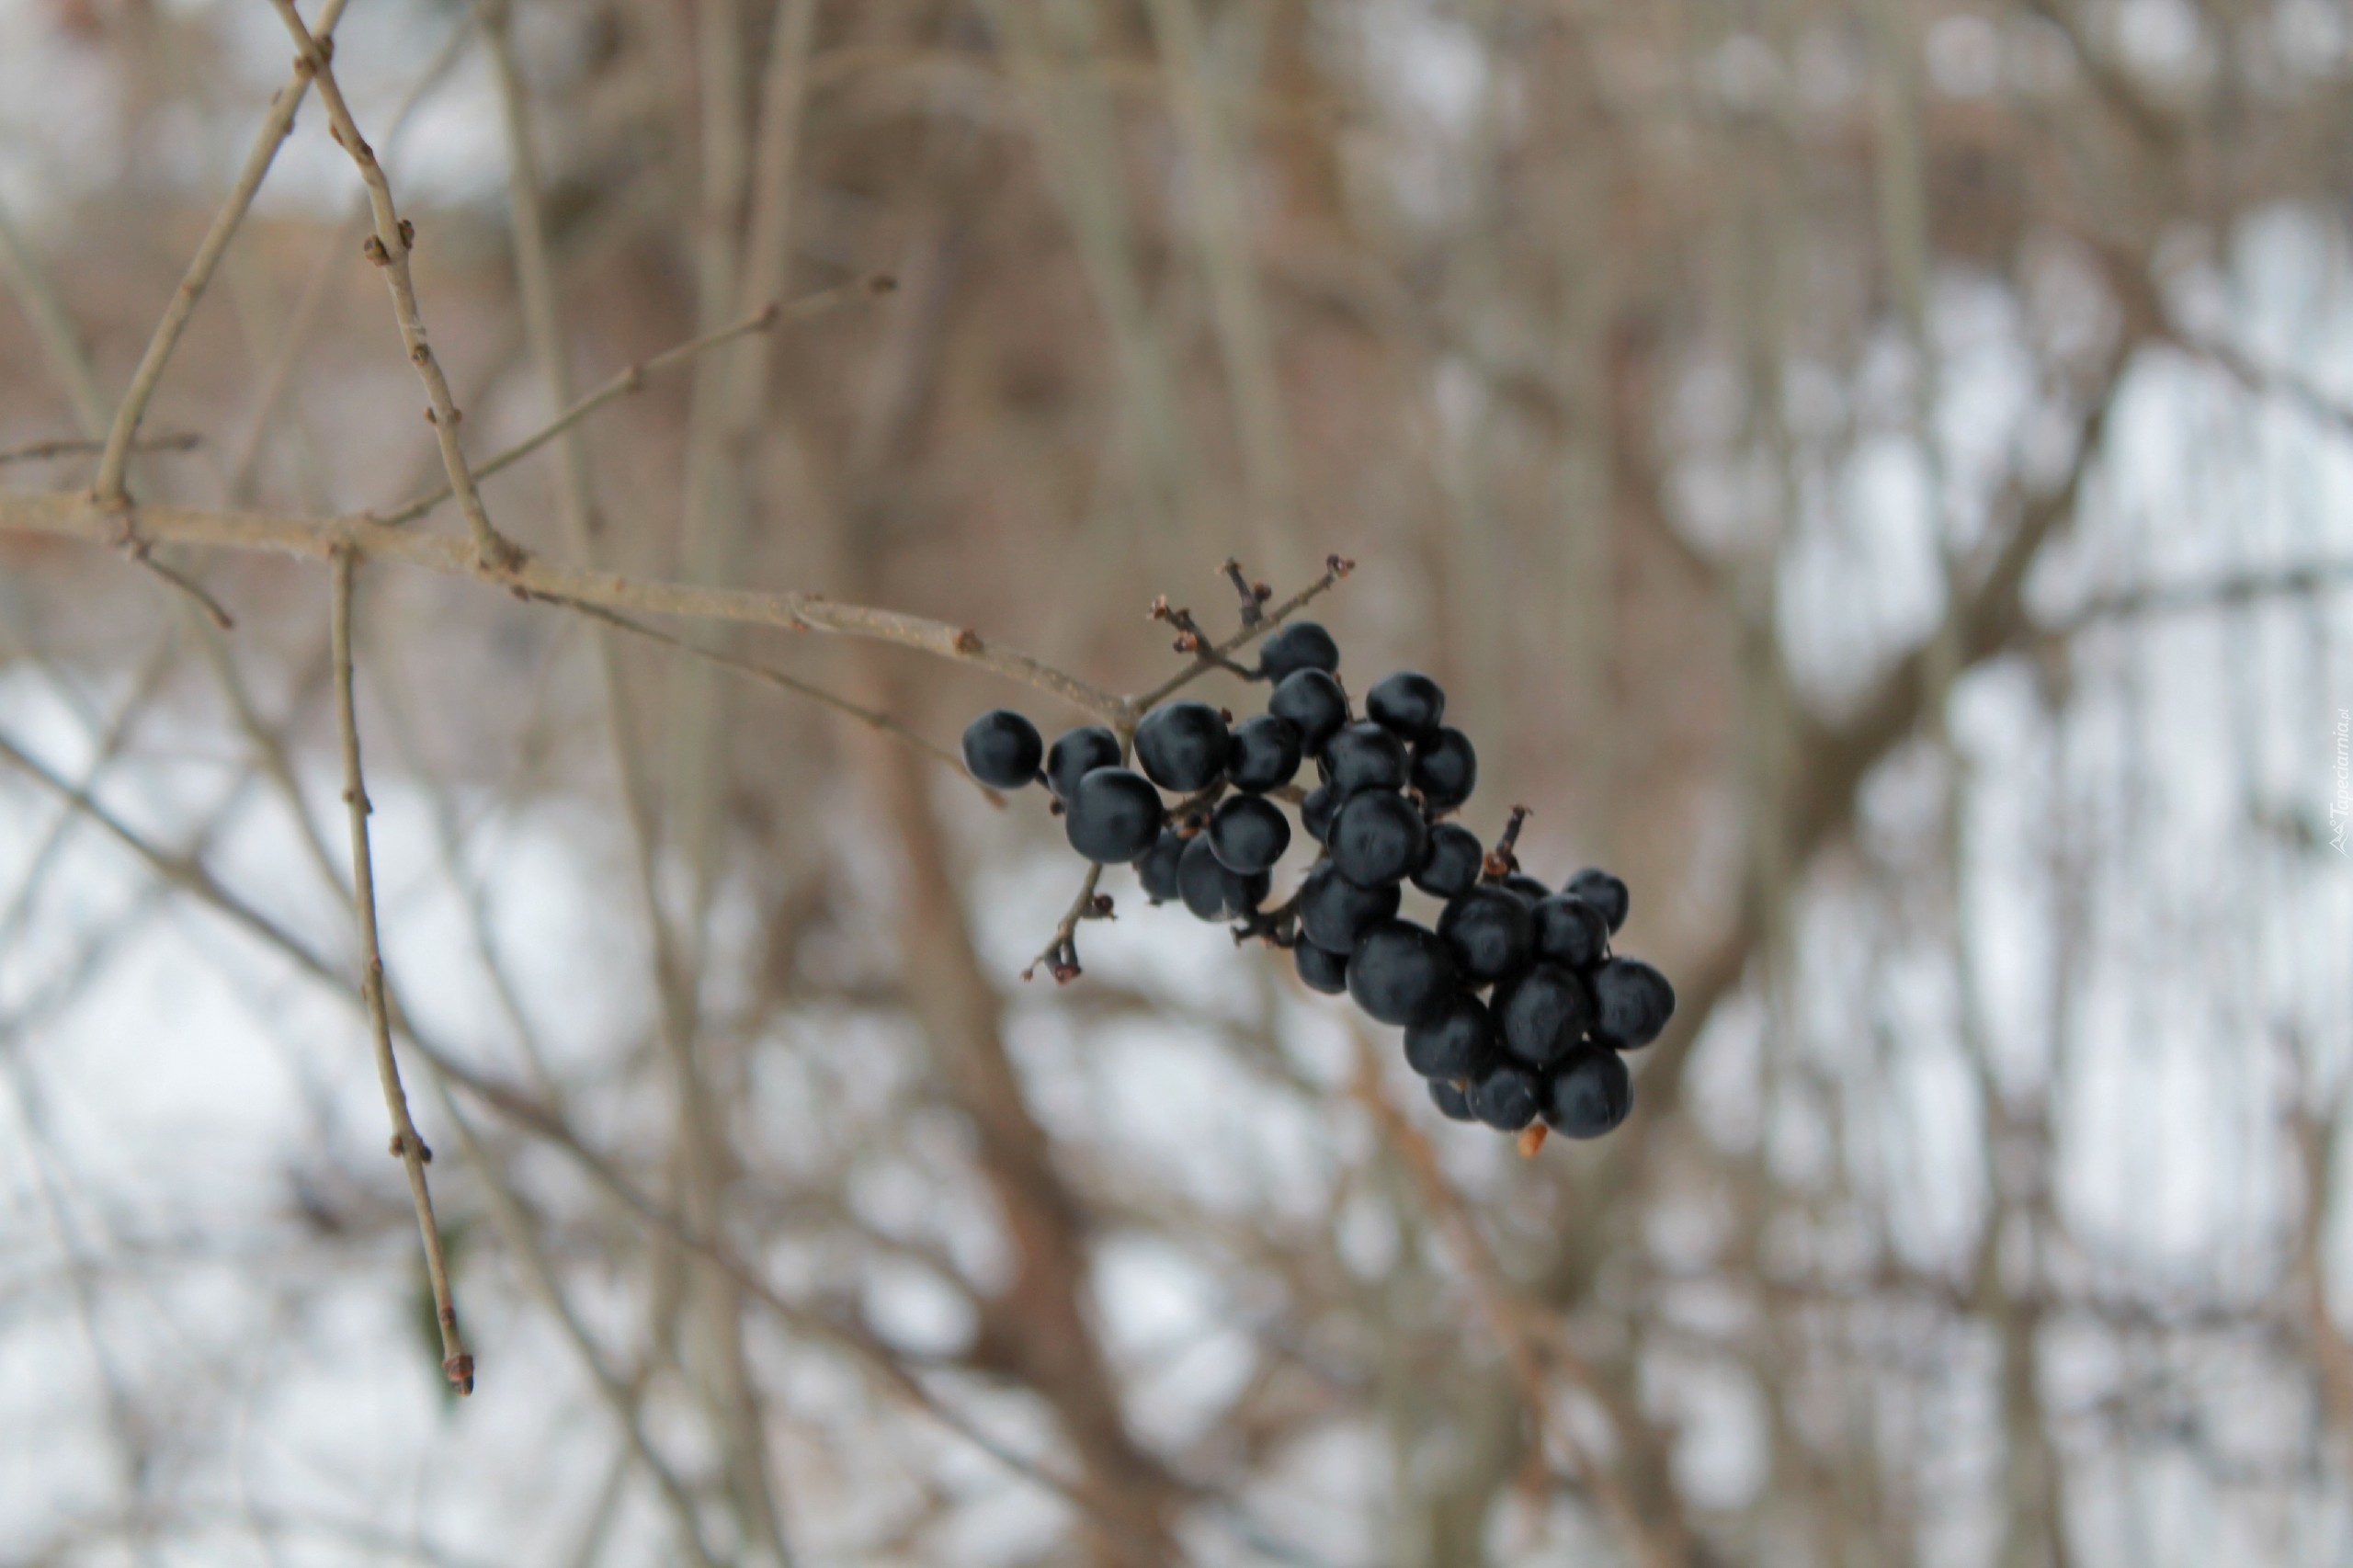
column 2340, row 809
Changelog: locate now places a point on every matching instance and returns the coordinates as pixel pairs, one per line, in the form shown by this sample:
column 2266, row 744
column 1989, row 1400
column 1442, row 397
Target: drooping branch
column 456, row 1365
column 75, row 515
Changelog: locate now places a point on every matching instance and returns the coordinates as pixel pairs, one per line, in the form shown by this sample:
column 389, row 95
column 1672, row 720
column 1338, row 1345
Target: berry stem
column 1220, row 655
column 1061, row 954
column 1531, row 1139
column 1253, row 595
column 1501, row 862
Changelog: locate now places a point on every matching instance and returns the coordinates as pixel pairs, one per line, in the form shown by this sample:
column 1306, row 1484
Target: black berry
column 1002, row 749
column 1249, row 834
column 1364, row 756
column 1409, row 702
column 1631, row 1003
column 1115, row 816
column 1541, row 1014
column 1491, row 934
column 1333, row 912
column 1077, row 754
column 1446, row 769
column 1301, row 645
column 1450, row 1101
column 1459, row 1042
column 1264, row 753
column 1590, row 1093
column 1378, row 838
column 1452, row 865
column 1605, row 893
column 1400, row 974
column 1529, row 888
column 1157, row 869
column 1182, row 745
column 1312, row 702
column 1507, row 1098
column 1320, row 970
column 1571, row 931
column 1211, row 890
column 1316, row 811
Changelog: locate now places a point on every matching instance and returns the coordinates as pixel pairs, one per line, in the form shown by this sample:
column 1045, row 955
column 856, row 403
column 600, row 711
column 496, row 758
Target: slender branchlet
column 457, row 1364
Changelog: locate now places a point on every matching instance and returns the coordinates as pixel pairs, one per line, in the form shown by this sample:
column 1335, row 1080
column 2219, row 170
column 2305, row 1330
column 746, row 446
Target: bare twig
column 200, row 267
column 41, row 451
column 783, row 682
column 456, row 1364
column 77, row 515
column 1334, row 568
column 633, row 378
column 388, row 247
column 1527, row 1345
column 1061, row 954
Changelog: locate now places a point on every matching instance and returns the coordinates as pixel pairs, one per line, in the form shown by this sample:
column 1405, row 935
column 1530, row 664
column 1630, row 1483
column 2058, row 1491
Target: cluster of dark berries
column 1513, row 1007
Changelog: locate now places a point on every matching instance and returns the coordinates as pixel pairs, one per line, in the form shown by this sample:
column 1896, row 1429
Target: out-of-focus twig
column 200, row 267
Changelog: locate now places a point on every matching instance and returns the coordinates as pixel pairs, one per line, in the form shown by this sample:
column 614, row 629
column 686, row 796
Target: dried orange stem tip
column 1532, row 1140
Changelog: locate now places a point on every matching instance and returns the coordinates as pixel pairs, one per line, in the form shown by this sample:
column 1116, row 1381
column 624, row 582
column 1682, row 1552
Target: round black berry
column 1301, row 645
column 1507, row 1098
column 1378, row 838
column 1249, row 834
column 1333, row 912
column 1588, row 1094
column 1400, row 974
column 1631, row 1003
column 1605, row 893
column 1077, row 754
column 1571, row 931
column 1459, row 1042
column 1528, row 888
column 1364, row 756
column 1116, row 816
column 1157, row 869
column 1452, row 865
column 1312, row 702
column 1320, row 970
column 1446, row 769
column 1264, row 753
column 1316, row 811
column 1491, row 933
column 1182, row 745
column 1211, row 890
column 1450, row 1101
column 1409, row 702
column 1541, row 1014
column 1002, row 749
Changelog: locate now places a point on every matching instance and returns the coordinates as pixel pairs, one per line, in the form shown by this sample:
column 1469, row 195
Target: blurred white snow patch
column 1719, row 1428
column 1334, row 1488
column 1167, row 1320
column 913, row 1310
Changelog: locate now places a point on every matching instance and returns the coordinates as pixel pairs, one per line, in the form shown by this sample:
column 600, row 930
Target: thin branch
column 456, row 1364
column 278, row 374
column 633, row 378
column 1334, row 568
column 863, row 1352
column 1525, row 1343
column 41, row 451
column 74, row 515
column 388, row 247
column 783, row 682
column 1060, row 956
column 515, row 1226
column 274, row 129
